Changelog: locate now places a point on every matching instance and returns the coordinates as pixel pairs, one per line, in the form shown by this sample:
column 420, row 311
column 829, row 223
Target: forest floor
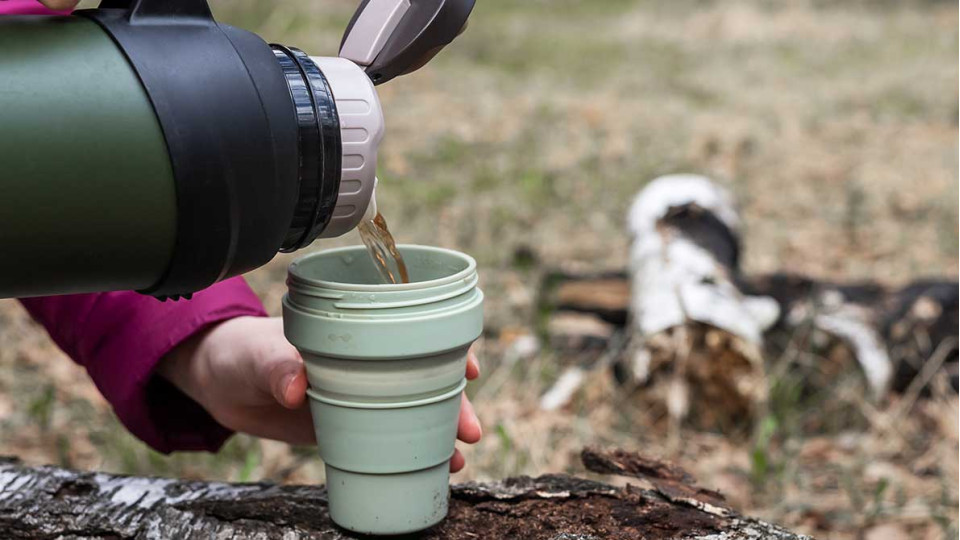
column 834, row 123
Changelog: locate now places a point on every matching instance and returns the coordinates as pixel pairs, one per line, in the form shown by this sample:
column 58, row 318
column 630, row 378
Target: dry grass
column 835, row 124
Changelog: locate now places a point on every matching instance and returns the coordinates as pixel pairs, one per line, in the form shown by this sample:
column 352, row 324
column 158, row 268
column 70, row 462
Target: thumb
column 288, row 384
column 279, row 369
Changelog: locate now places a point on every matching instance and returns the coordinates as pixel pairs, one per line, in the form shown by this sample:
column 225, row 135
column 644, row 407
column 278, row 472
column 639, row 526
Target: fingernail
column 285, row 384
column 476, row 366
column 476, row 421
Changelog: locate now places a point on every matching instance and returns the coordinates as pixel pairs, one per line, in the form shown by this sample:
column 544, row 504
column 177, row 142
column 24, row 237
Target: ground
column 835, row 123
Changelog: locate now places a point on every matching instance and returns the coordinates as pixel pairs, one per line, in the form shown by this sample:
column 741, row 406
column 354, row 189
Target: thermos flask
column 145, row 146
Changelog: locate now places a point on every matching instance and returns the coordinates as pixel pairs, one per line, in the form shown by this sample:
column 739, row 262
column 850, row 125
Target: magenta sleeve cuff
column 28, row 7
column 119, row 337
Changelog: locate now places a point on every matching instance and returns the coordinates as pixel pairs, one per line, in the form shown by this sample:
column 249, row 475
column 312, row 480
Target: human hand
column 246, row 374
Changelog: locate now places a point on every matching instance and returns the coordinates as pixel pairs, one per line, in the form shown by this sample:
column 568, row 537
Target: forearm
column 185, row 368
column 121, row 338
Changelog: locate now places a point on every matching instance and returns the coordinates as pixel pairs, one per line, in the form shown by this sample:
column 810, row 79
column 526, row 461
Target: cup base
column 388, row 503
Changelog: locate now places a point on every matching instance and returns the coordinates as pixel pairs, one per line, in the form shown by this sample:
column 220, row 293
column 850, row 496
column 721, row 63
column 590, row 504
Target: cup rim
column 380, row 287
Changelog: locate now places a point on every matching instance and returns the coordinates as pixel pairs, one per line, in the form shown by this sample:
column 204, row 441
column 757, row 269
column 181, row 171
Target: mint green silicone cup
column 386, row 369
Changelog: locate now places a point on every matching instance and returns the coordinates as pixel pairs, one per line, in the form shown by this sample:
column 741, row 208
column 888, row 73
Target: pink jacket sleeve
column 28, row 7
column 119, row 337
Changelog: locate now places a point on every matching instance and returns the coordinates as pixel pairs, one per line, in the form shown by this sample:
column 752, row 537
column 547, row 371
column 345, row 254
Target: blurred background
column 833, row 123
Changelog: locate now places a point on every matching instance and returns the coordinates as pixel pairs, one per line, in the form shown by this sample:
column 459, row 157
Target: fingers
column 473, row 365
column 468, row 426
column 457, row 462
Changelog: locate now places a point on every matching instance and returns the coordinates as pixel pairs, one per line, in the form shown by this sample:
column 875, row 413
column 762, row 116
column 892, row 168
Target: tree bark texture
column 50, row 502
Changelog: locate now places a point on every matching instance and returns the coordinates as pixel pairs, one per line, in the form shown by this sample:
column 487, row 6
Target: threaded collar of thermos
column 319, row 146
column 340, row 125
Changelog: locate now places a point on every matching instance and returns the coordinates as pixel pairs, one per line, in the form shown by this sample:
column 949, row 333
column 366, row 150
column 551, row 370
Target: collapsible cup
column 386, row 368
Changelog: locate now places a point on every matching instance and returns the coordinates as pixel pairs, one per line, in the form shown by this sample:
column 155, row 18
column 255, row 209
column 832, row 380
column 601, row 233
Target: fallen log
column 909, row 322
column 699, row 330
column 51, row 502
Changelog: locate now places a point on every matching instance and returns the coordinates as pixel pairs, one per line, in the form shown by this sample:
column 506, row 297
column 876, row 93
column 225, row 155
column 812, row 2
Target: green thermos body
column 148, row 147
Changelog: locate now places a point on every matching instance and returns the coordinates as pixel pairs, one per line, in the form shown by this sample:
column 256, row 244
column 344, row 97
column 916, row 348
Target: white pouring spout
column 384, row 39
